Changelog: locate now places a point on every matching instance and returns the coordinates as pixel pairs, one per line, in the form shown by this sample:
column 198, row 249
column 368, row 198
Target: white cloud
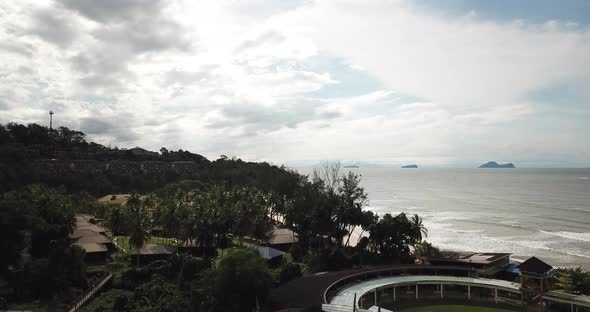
column 219, row 77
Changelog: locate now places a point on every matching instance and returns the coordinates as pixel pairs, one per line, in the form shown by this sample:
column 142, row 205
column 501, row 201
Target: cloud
column 23, row 49
column 270, row 37
column 126, row 34
column 299, row 80
column 112, row 10
column 264, row 119
column 54, row 26
column 112, row 128
column 182, row 77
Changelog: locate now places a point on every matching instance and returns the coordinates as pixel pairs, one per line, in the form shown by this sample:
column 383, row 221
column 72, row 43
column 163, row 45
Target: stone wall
column 117, row 167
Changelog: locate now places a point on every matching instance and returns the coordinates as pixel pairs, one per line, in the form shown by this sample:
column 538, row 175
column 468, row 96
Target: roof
column 267, row 253
column 475, row 258
column 153, row 249
column 138, row 151
column 484, row 258
column 91, row 227
column 92, row 247
column 535, row 265
column 282, row 236
column 81, row 233
column 98, row 238
column 119, row 199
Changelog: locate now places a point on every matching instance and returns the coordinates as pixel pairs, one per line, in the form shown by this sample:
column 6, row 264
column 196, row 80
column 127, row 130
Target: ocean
column 526, row 212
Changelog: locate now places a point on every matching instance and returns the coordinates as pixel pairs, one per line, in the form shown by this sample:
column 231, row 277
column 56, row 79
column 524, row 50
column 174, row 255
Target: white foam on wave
column 583, row 178
column 533, row 244
column 466, row 231
column 410, row 208
column 570, row 235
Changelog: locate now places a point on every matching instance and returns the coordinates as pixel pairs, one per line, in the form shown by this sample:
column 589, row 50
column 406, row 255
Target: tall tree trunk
column 138, row 258
column 348, row 239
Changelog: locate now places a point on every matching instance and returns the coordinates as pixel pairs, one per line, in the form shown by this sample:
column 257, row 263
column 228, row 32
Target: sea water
column 526, row 212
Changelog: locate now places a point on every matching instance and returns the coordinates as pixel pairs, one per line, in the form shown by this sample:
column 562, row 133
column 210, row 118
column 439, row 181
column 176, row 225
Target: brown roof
column 92, row 247
column 475, row 258
column 98, row 238
column 91, row 227
column 81, row 233
column 535, row 265
column 282, row 236
column 484, row 258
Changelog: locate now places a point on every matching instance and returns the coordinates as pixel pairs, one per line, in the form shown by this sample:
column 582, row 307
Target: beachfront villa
column 465, row 283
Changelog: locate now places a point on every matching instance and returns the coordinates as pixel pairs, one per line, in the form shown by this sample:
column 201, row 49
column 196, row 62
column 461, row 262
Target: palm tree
column 140, row 223
column 418, row 228
column 575, row 280
column 172, row 214
column 115, row 216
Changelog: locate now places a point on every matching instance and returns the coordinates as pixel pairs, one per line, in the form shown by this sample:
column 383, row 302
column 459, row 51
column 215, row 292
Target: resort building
column 395, row 287
column 272, row 256
column 282, row 238
column 92, row 239
column 152, row 252
column 484, row 264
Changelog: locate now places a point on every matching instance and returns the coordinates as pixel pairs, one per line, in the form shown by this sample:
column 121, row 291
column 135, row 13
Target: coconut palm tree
column 575, row 280
column 172, row 214
column 418, row 229
column 140, row 228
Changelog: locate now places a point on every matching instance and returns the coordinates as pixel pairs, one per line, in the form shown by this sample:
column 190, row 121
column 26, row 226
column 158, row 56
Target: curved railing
column 376, row 273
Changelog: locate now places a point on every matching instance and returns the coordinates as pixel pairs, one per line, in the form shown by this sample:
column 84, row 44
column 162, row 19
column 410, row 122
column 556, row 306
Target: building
column 191, row 248
column 272, row 256
column 92, row 239
column 484, row 264
column 396, row 287
column 95, row 252
column 282, row 238
column 142, row 152
column 151, row 252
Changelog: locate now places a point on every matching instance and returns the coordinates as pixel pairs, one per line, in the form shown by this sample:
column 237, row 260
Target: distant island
column 351, row 166
column 410, row 166
column 493, row 164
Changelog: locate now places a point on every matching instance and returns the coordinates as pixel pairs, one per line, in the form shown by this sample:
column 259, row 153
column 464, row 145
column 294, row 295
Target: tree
column 426, row 249
column 241, row 280
column 55, row 266
column 574, row 280
column 353, row 198
column 419, row 231
column 140, row 227
column 250, row 207
column 115, row 217
column 393, row 236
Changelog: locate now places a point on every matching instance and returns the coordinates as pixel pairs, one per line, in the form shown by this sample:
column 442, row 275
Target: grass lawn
column 453, row 308
column 123, row 241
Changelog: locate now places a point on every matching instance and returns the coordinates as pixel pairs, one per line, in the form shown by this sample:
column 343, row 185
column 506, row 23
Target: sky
column 438, row 83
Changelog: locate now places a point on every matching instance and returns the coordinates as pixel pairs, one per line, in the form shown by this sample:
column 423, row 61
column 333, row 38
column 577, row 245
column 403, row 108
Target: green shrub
column 289, row 271
column 112, row 300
